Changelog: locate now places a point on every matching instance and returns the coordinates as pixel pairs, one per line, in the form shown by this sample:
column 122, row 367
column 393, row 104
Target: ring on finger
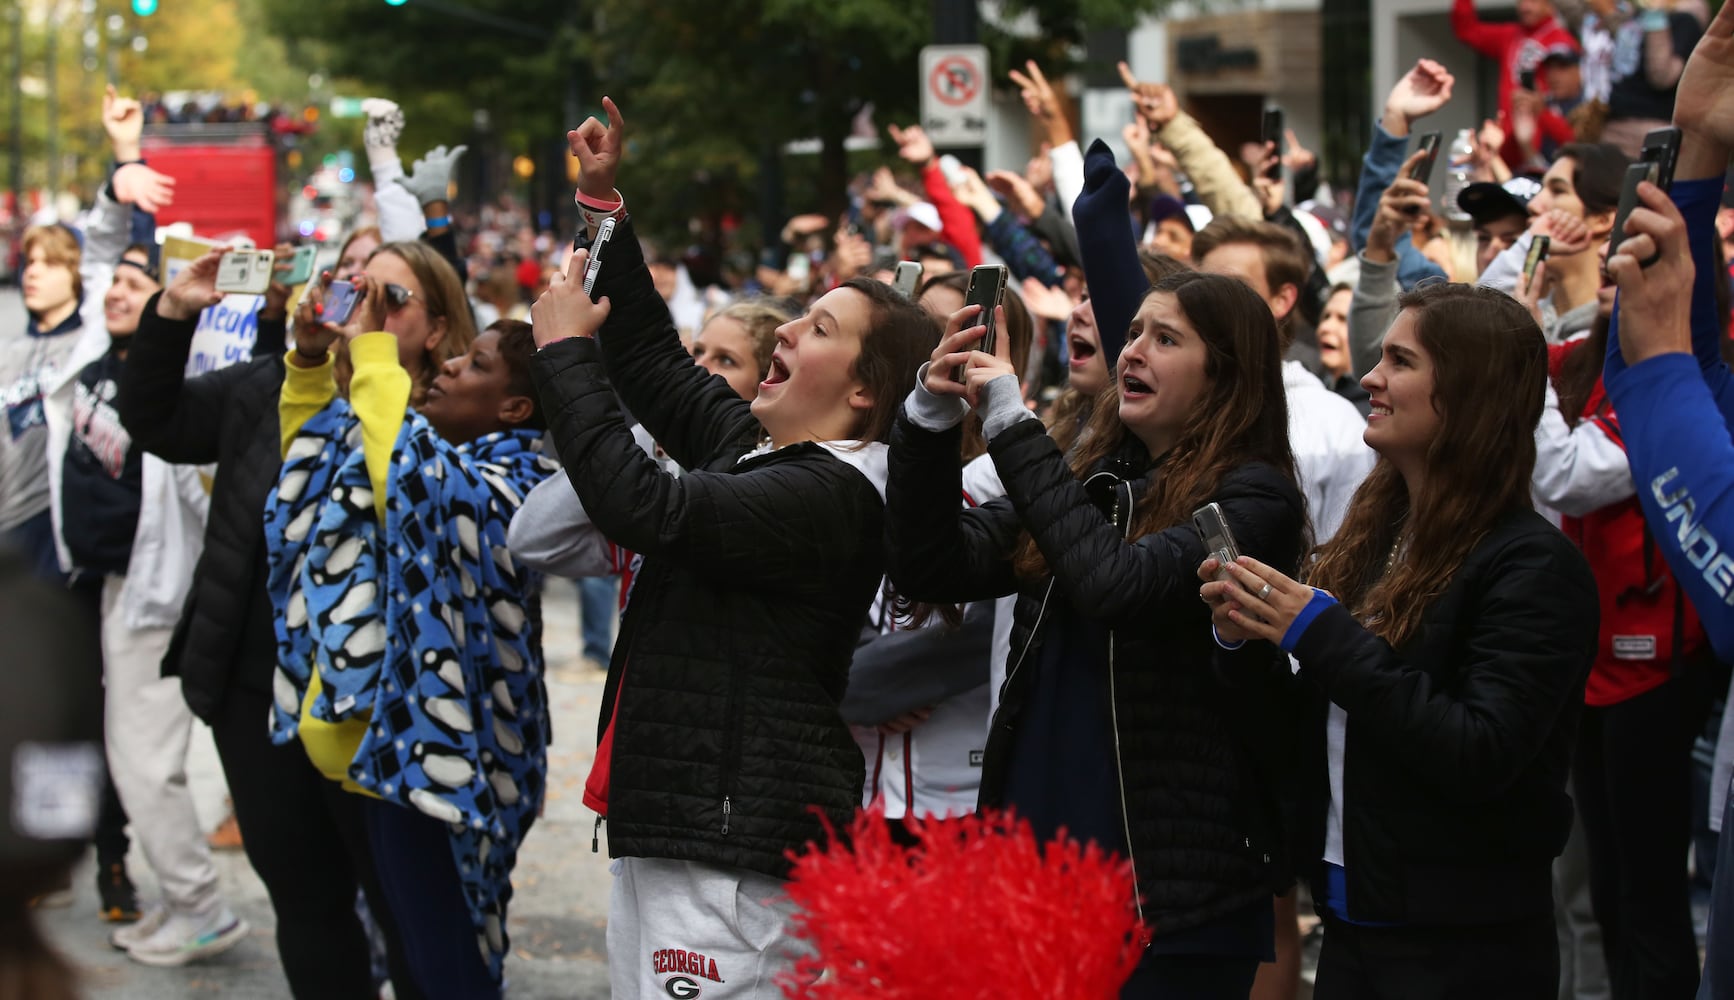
column 1264, row 592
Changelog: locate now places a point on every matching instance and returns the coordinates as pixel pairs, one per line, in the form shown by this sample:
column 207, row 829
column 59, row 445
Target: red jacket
column 1646, row 621
column 1516, row 48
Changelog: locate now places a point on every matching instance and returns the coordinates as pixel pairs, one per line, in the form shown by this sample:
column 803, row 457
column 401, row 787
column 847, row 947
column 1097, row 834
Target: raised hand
column 123, row 120
column 1421, row 91
column 971, row 190
column 1049, row 303
column 1402, row 203
column 137, row 184
column 1017, row 190
column 962, row 331
column 1156, row 102
column 1042, row 102
column 983, row 367
column 564, row 310
column 430, row 179
column 1704, row 101
column 1655, row 301
column 369, row 313
column 1297, row 158
column 913, row 144
column 194, row 289
column 886, row 188
column 313, row 338
column 598, row 148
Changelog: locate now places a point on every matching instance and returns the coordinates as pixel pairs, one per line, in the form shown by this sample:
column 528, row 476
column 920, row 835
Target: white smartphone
column 245, row 272
column 952, row 168
column 908, row 278
column 603, row 234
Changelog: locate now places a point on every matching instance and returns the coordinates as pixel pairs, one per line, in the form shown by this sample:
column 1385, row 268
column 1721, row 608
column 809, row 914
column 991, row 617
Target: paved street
column 556, row 921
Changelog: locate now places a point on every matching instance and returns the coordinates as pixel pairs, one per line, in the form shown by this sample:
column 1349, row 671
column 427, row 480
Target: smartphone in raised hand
column 1636, row 174
column 908, row 278
column 340, row 302
column 604, row 233
column 301, row 265
column 1275, row 131
column 245, row 272
column 986, row 289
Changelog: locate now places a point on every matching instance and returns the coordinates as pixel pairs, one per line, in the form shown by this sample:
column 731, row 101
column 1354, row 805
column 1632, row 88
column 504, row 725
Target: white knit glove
column 431, row 177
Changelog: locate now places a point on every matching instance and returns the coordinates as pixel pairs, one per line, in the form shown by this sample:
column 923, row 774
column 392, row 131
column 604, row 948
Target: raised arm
column 691, row 413
column 1212, row 172
column 168, row 415
column 1109, row 249
column 1491, row 40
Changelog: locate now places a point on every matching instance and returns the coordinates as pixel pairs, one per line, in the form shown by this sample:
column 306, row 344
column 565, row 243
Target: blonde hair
column 442, row 293
column 760, row 317
column 59, row 248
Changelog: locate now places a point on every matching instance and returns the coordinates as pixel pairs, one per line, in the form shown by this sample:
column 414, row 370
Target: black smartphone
column 1274, row 131
column 1636, row 174
column 908, row 278
column 1423, row 171
column 604, row 233
column 986, row 289
column 1537, row 253
column 1662, row 147
column 1526, row 79
column 340, row 302
column 1212, row 527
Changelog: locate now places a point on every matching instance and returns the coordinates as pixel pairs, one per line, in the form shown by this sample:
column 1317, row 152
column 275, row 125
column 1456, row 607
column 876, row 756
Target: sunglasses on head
column 397, row 296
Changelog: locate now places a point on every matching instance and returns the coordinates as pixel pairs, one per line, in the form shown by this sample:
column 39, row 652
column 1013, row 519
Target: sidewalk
column 557, row 918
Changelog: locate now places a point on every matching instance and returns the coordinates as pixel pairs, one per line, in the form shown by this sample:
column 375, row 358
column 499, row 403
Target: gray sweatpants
column 684, row 929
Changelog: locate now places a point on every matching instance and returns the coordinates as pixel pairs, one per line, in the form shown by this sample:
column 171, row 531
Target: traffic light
column 397, row 3
column 144, row 8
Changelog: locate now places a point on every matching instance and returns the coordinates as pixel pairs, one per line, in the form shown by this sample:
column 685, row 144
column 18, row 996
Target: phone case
column 301, row 265
column 986, row 289
column 908, row 278
column 340, row 301
column 1212, row 528
column 244, row 272
column 1636, row 174
column 603, row 235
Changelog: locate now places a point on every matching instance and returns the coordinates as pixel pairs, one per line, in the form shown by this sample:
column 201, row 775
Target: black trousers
column 307, row 839
column 420, row 878
column 1633, row 780
column 1518, row 960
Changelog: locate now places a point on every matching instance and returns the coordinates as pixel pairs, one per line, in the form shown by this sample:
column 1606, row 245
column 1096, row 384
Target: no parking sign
column 954, row 94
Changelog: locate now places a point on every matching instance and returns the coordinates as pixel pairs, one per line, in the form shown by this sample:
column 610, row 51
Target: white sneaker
column 148, row 923
column 187, row 938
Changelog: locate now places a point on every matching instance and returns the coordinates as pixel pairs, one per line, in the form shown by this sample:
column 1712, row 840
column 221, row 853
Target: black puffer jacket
column 757, row 574
column 1199, row 761
column 1459, row 743
column 229, row 417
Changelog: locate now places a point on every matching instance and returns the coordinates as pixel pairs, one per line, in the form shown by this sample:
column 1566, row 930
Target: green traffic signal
column 397, row 3
column 144, row 8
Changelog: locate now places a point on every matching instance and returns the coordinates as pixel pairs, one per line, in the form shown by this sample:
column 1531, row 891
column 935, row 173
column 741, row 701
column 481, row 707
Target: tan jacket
column 1212, row 172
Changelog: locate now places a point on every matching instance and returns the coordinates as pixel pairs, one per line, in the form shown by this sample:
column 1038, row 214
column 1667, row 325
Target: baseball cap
column 1165, row 206
column 925, row 213
column 1486, row 201
column 1560, row 54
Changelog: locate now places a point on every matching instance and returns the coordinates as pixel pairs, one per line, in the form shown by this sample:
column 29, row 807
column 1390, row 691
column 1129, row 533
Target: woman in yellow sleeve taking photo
column 409, row 639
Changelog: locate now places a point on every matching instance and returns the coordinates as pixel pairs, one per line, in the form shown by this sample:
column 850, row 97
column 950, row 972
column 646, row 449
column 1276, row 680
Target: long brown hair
column 900, row 336
column 1243, row 416
column 1489, row 373
column 442, row 292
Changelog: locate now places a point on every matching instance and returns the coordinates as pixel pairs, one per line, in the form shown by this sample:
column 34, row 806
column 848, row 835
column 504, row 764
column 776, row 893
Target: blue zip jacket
column 1676, row 411
column 1379, row 168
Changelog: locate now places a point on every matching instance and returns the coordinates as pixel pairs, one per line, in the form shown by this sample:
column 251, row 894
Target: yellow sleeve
column 379, row 392
column 306, row 391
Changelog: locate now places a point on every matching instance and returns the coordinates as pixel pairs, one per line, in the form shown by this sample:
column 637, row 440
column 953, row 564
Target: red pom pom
column 977, row 910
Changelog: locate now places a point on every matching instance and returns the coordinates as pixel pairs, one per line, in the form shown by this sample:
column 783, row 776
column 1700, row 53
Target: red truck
column 225, row 177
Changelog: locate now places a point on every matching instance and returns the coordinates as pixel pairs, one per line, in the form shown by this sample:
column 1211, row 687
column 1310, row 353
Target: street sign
column 346, row 107
column 954, row 92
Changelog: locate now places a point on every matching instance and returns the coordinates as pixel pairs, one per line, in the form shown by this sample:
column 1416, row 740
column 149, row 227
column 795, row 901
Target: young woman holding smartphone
column 1442, row 651
column 1114, row 724
column 719, row 731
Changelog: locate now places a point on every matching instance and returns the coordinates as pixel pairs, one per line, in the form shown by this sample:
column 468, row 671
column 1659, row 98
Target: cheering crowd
column 1234, row 470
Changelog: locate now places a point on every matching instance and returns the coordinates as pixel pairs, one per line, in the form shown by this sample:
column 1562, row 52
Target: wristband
column 1654, row 20
column 595, row 211
column 440, row 222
